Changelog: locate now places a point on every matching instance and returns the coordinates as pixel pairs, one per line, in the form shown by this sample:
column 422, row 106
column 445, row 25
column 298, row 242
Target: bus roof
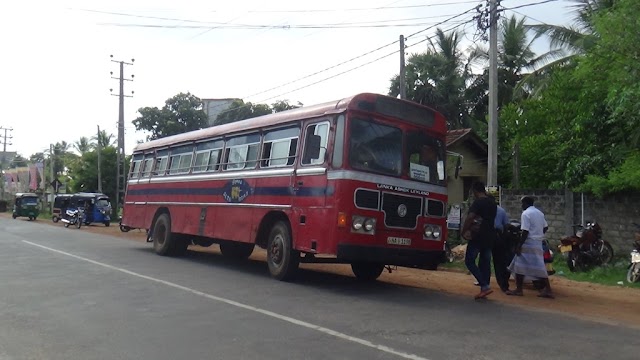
column 305, row 112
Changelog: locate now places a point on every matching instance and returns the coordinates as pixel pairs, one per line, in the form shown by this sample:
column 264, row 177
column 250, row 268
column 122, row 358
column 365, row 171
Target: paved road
column 69, row 294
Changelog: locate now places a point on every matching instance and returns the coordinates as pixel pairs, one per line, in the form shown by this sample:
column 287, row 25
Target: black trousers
column 502, row 256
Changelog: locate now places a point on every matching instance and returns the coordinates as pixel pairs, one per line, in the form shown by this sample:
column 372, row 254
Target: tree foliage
column 181, row 113
column 239, row 110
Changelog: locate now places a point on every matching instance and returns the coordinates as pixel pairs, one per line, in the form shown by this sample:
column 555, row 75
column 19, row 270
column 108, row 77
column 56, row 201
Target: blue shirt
column 501, row 219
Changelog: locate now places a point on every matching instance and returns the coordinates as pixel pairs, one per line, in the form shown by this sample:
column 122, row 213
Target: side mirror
column 312, row 148
column 458, row 166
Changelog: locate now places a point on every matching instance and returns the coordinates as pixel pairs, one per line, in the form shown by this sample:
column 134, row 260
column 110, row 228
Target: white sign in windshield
column 419, row 172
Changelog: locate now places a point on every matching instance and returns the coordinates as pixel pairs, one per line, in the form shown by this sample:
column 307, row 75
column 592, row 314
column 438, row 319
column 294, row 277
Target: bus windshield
column 378, row 147
column 375, row 147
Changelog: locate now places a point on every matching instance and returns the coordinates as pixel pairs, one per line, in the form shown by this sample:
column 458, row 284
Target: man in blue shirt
column 500, row 250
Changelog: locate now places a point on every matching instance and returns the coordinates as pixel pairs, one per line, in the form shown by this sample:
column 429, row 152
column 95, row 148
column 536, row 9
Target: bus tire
column 282, row 260
column 236, row 250
column 367, row 271
column 166, row 243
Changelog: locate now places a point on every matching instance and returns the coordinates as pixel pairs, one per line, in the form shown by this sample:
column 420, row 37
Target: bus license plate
column 392, row 240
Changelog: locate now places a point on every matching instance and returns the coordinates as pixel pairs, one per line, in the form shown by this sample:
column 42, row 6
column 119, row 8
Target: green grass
column 606, row 275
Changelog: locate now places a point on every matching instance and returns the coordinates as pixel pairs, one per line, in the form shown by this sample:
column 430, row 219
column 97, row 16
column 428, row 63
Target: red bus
column 359, row 181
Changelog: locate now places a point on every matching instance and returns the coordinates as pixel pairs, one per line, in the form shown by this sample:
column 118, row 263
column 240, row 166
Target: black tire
column 31, row 218
column 66, row 225
column 124, row 228
column 236, row 250
column 55, row 219
column 633, row 275
column 366, row 271
column 166, row 243
column 282, row 260
column 538, row 284
column 14, row 216
column 606, row 255
column 107, row 223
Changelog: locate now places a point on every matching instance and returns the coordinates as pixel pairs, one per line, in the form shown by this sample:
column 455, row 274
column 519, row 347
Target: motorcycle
column 73, row 217
column 586, row 248
column 633, row 274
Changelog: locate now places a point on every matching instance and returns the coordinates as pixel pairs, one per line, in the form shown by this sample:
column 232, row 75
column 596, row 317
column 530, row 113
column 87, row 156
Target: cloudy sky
column 56, row 54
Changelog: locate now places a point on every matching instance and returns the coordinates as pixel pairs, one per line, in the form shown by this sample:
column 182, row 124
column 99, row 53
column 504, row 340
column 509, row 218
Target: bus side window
column 320, row 130
column 147, row 166
column 180, row 161
column 242, row 152
column 135, row 168
column 280, row 147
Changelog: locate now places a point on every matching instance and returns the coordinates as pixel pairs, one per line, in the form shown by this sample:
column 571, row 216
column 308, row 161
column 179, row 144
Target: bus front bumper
column 391, row 256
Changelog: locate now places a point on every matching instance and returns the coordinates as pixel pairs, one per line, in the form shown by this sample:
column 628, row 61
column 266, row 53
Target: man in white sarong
column 529, row 259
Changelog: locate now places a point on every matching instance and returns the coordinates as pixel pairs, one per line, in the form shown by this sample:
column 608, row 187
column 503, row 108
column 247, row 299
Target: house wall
column 474, row 168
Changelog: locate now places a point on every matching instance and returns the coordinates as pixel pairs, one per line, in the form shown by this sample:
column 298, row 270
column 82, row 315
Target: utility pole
column 120, row 171
column 516, row 166
column 403, row 85
column 99, row 162
column 492, row 170
column 52, row 163
column 4, row 145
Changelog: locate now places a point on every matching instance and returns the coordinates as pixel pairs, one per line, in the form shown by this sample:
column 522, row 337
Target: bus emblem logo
column 236, row 191
column 402, row 210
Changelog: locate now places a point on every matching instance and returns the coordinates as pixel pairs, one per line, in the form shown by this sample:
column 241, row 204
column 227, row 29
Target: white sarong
column 530, row 262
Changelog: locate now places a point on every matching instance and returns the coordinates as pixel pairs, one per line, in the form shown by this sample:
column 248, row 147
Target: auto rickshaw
column 26, row 205
column 60, row 204
column 97, row 207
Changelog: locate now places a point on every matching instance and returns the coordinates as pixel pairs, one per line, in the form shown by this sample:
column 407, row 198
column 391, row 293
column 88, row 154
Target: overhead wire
column 366, row 9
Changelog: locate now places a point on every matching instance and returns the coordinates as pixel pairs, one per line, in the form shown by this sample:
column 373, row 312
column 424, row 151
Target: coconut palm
column 438, row 77
column 104, row 140
column 83, row 145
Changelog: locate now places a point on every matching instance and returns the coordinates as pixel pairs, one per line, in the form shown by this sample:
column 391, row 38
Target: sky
column 56, row 64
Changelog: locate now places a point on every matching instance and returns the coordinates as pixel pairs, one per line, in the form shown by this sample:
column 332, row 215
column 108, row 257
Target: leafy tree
column 239, row 110
column 84, row 172
column 181, row 113
column 18, row 161
column 283, row 105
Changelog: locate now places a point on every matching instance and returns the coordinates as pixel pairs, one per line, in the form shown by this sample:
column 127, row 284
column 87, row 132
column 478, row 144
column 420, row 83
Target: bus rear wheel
column 282, row 260
column 366, row 271
column 236, row 250
column 166, row 243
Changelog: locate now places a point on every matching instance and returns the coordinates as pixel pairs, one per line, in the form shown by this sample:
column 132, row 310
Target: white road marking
column 272, row 314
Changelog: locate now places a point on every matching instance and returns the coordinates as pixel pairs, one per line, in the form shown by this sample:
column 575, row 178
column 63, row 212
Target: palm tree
column 103, row 139
column 438, row 77
column 83, row 145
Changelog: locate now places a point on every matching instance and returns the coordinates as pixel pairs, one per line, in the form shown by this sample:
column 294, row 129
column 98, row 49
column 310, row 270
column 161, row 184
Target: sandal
column 483, row 294
column 514, row 292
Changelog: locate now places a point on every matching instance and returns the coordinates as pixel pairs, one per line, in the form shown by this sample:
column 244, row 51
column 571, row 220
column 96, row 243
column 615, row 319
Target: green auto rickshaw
column 26, row 205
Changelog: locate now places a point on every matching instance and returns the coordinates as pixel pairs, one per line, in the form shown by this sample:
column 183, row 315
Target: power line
column 346, row 71
column 530, row 4
column 355, row 58
column 259, row 26
column 364, row 9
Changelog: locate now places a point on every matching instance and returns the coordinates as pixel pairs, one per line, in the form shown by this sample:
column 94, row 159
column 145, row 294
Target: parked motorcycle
column 633, row 274
column 586, row 248
column 73, row 217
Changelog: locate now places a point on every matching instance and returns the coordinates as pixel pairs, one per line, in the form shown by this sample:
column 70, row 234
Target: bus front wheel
column 365, row 271
column 166, row 243
column 282, row 260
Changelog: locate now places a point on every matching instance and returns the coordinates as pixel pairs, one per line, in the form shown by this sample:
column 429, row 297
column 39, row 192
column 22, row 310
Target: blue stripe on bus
column 264, row 191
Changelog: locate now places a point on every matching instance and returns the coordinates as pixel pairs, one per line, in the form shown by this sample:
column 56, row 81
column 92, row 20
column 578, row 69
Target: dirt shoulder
column 608, row 304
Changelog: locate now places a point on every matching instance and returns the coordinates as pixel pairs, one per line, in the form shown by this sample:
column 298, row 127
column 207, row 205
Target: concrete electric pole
column 492, row 170
column 120, row 171
column 3, row 159
column 403, row 85
column 99, row 162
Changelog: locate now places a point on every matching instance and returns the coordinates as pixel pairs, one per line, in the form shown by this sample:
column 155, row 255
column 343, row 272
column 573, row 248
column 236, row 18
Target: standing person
column 480, row 219
column 529, row 259
column 500, row 250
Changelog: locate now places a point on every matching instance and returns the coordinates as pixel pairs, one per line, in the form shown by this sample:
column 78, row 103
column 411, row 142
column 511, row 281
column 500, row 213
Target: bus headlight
column 428, row 231
column 370, row 224
column 357, row 223
column 436, row 232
